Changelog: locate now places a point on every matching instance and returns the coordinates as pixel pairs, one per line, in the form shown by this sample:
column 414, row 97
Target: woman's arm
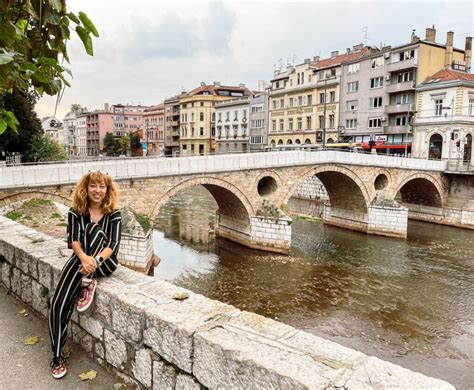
column 73, row 242
column 114, row 235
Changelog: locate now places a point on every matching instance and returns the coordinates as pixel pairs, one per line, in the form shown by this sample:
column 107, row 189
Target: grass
column 37, row 202
column 28, row 217
column 144, row 221
column 55, row 215
column 62, row 224
column 13, row 215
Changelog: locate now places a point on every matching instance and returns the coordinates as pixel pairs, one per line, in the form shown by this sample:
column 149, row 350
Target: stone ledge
column 155, row 341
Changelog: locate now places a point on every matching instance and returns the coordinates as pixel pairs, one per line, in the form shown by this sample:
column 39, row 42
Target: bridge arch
column 28, row 195
column 345, row 188
column 421, row 189
column 232, row 202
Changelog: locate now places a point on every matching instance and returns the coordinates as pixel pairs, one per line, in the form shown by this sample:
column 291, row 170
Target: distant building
column 154, row 130
column 444, row 124
column 53, row 127
column 232, row 125
column 258, row 118
column 172, row 125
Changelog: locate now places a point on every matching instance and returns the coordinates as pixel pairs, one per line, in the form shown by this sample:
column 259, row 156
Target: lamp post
column 450, row 133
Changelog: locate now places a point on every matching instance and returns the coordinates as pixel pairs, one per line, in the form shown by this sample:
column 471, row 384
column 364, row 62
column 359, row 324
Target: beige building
column 172, row 127
column 198, row 118
column 304, row 100
column 154, row 130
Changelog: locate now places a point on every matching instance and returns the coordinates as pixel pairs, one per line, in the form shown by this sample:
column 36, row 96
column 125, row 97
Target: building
column 378, row 91
column 53, row 127
column 70, row 125
column 197, row 122
column 172, row 125
column 232, row 125
column 258, row 117
column 154, row 129
column 444, row 123
column 81, row 135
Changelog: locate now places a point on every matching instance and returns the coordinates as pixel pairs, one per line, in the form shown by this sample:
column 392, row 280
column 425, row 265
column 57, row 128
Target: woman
column 94, row 228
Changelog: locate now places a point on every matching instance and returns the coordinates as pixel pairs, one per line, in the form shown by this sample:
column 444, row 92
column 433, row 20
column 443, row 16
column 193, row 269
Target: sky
column 150, row 50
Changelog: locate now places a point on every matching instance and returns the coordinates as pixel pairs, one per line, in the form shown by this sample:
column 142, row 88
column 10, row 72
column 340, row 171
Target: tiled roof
column 212, row 89
column 329, row 62
column 449, row 75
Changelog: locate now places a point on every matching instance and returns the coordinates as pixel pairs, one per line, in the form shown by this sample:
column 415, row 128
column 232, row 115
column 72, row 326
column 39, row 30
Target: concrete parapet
column 156, row 342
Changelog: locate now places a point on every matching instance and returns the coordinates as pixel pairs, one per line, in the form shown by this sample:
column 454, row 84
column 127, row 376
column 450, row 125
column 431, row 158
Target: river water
column 406, row 301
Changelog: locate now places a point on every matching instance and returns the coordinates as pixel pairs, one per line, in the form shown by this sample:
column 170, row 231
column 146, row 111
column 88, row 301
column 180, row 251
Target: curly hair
column 80, row 200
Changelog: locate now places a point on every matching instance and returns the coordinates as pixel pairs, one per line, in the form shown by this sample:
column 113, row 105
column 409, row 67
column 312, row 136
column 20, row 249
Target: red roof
column 212, row 89
column 329, row 62
column 449, row 75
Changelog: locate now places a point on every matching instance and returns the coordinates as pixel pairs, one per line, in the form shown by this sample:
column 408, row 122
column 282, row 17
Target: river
column 406, row 301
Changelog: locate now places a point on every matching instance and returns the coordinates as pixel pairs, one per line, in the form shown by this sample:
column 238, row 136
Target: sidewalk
column 27, row 367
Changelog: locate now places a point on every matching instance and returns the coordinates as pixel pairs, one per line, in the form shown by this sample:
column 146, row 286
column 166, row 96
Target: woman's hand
column 89, row 265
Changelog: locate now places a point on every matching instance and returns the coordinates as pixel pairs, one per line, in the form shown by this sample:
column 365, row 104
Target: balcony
column 175, row 133
column 399, row 108
column 400, row 87
column 396, row 129
column 328, row 82
column 172, row 123
column 402, row 65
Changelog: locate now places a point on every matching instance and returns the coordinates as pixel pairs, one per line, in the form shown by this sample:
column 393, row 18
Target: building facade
column 232, row 125
column 81, row 135
column 258, row 120
column 154, row 131
column 444, row 123
column 172, row 126
column 198, row 119
column 70, row 125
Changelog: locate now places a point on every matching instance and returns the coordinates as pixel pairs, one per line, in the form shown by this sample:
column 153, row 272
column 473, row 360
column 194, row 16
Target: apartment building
column 232, row 125
column 378, row 91
column 70, row 125
column 172, row 126
column 444, row 123
column 258, row 119
column 81, row 135
column 197, row 116
column 153, row 142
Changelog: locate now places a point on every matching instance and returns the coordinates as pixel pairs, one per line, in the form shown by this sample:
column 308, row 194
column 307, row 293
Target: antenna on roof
column 364, row 30
column 295, row 59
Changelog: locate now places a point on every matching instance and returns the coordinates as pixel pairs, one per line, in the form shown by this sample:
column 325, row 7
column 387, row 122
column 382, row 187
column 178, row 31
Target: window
column 244, row 112
column 236, row 115
column 302, row 78
column 201, row 117
column 308, row 123
column 321, row 97
column 290, row 124
column 227, row 116
column 300, row 100
column 331, row 121
column 321, row 75
column 375, row 123
column 256, row 139
column 274, row 104
column 213, row 116
column 401, row 120
column 256, row 124
column 291, row 102
column 258, row 108
column 406, row 55
column 274, row 125
column 309, row 100
column 352, row 105
column 282, row 103
column 351, row 123
column 439, row 107
column 192, row 131
column 353, row 86
column 201, row 131
column 402, row 99
column 202, row 104
column 298, row 80
column 332, row 96
column 404, row 77
column 471, row 107
column 353, row 68
column 300, row 123
column 376, row 62
column 375, row 102
column 376, row 82
column 321, row 121
column 282, row 125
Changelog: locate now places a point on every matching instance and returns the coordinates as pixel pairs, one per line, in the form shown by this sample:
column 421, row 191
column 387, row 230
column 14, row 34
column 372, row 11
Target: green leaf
column 89, row 375
column 73, row 17
column 32, row 340
column 7, row 34
column 86, row 39
column 56, row 4
column 5, row 58
column 88, row 24
column 3, row 125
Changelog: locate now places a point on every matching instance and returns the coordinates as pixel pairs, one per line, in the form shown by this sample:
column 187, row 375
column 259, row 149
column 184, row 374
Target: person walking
column 93, row 233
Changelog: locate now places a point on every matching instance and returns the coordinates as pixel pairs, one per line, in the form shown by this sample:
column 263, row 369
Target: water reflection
column 410, row 301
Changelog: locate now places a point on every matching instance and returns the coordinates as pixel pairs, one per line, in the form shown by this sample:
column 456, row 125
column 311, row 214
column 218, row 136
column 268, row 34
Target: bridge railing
column 43, row 175
column 459, row 166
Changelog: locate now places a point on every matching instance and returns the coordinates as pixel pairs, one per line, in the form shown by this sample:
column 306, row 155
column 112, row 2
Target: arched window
column 289, row 142
column 273, row 143
column 307, row 141
column 297, row 141
column 435, row 147
column 468, row 148
column 330, row 141
column 280, row 142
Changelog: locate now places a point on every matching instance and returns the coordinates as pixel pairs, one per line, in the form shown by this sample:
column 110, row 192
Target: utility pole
column 450, row 133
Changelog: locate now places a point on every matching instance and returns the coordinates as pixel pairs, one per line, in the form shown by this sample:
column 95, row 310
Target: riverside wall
column 153, row 341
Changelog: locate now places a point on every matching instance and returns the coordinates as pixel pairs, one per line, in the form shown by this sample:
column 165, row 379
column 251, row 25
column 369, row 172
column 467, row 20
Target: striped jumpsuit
column 94, row 237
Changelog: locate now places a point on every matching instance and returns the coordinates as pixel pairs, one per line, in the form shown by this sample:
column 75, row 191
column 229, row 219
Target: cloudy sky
column 151, row 50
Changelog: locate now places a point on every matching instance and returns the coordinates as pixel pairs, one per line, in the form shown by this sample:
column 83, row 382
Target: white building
column 81, row 135
column 70, row 125
column 444, row 124
column 53, row 127
column 232, row 125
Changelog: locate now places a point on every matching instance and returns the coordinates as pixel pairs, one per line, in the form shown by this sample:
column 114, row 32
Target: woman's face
column 96, row 192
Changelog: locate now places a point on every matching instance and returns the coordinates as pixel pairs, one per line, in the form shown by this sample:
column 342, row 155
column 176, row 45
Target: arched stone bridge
column 368, row 193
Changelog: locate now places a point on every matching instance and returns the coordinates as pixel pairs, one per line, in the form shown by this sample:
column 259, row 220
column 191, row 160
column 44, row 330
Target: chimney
column 241, row 85
column 468, row 53
column 217, row 83
column 203, row 84
column 106, row 107
column 348, row 50
column 358, row 47
column 448, row 58
column 414, row 38
column 316, row 58
column 306, row 60
column 334, row 54
column 430, row 34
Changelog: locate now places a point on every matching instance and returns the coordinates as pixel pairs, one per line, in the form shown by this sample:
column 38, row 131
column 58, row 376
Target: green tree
column 44, row 148
column 33, row 40
column 124, row 143
column 135, row 144
column 78, row 109
column 111, row 145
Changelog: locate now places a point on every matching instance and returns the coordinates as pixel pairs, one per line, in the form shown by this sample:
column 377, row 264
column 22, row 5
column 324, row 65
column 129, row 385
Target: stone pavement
column 27, row 367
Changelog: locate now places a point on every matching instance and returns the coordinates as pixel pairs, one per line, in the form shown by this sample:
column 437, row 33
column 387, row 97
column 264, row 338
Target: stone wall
column 388, row 221
column 297, row 206
column 311, row 188
column 153, row 341
column 271, row 233
column 136, row 252
column 458, row 217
